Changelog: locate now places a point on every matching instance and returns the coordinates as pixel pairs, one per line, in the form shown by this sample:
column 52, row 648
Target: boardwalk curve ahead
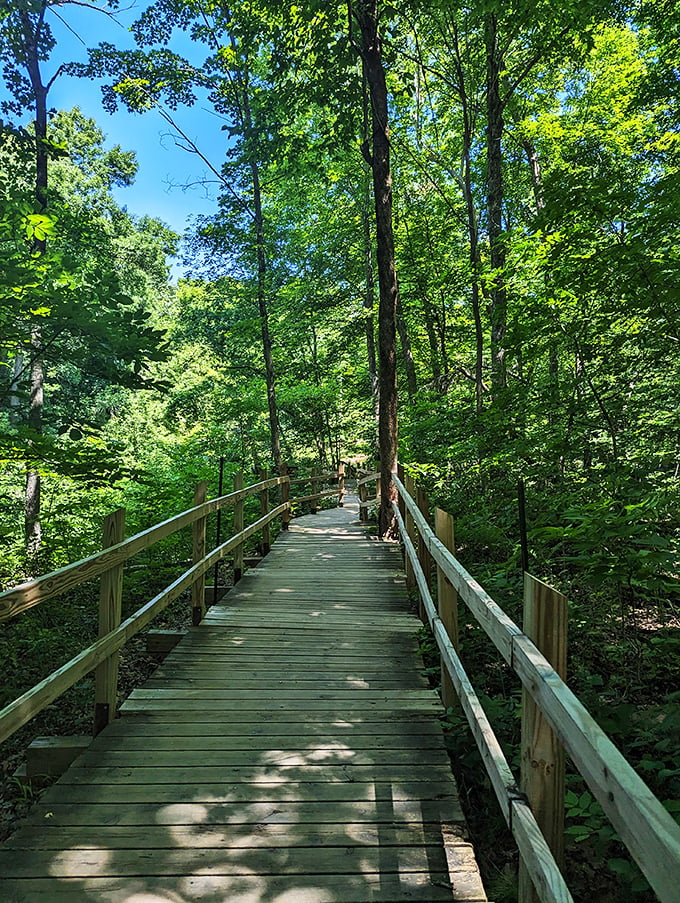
column 285, row 752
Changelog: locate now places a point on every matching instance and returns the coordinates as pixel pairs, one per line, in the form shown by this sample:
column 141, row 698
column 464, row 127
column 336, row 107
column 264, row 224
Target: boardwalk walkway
column 285, row 752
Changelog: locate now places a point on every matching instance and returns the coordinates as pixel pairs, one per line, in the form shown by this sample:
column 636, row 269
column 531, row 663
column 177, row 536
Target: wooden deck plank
column 174, row 860
column 286, row 750
column 426, row 887
column 366, row 812
column 272, row 792
column 384, row 730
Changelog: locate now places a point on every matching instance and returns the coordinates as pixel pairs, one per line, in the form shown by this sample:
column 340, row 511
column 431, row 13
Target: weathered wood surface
column 286, row 750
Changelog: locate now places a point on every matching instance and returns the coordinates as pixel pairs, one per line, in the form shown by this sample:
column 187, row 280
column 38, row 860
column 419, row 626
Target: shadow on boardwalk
column 287, row 751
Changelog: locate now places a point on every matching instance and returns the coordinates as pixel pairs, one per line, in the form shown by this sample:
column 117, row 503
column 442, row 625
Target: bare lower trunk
column 366, row 14
column 33, row 529
column 14, row 389
column 368, row 308
column 431, row 324
column 406, row 351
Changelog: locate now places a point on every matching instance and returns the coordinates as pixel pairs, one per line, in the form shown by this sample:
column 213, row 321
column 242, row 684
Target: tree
column 85, row 291
column 26, row 42
column 365, row 15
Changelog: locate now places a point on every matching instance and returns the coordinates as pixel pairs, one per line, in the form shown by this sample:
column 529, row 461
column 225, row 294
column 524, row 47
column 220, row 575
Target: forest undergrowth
column 625, row 673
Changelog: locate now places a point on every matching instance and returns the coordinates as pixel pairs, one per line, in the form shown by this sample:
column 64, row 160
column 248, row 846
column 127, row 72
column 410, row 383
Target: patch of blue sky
column 172, row 184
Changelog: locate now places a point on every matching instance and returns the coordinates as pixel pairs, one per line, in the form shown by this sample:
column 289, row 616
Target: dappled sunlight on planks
column 284, row 752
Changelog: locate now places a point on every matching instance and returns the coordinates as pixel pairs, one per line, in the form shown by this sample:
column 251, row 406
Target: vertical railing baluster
column 285, row 496
column 198, row 531
column 239, row 523
column 264, row 510
column 447, row 599
column 110, row 609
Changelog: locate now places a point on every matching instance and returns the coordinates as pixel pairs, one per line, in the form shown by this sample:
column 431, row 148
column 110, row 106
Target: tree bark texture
column 366, row 15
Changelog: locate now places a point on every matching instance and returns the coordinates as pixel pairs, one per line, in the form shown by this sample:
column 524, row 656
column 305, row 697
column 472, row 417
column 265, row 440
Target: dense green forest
column 476, row 202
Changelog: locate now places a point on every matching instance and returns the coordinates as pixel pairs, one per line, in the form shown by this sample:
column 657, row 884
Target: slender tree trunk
column 33, row 528
column 494, row 133
column 14, row 387
column 428, row 310
column 553, row 359
column 263, row 311
column 32, row 525
column 473, row 229
column 366, row 15
column 536, row 175
column 270, row 376
column 406, row 351
column 434, row 335
column 369, row 295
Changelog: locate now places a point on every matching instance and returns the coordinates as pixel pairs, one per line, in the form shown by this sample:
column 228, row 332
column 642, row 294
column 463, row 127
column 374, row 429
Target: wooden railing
column 108, row 563
column 554, row 719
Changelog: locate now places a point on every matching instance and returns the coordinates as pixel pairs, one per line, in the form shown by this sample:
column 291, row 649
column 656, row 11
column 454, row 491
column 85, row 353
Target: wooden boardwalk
column 287, row 751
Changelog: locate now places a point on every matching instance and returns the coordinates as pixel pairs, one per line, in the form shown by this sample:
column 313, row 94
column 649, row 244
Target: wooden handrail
column 312, row 498
column 107, row 562
column 518, row 816
column 20, row 598
column 315, row 478
column 644, row 825
column 370, row 478
column 17, row 713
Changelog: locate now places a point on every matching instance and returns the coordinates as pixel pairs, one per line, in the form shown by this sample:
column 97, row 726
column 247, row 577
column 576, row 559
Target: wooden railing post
column 400, row 500
column 264, row 509
column 314, row 503
column 411, row 530
column 424, row 557
column 545, row 623
column 447, row 599
column 341, row 485
column 198, row 553
column 363, row 497
column 239, row 524
column 110, row 607
column 285, row 496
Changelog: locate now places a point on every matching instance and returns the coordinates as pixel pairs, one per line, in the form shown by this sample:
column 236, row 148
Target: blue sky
column 162, row 164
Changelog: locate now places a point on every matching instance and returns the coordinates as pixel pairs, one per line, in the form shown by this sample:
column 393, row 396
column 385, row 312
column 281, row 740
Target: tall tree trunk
column 406, row 351
column 33, row 527
column 32, row 35
column 539, row 197
column 473, row 227
column 14, row 389
column 428, row 309
column 369, row 295
column 262, row 305
column 494, row 133
column 366, row 15
column 263, row 311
